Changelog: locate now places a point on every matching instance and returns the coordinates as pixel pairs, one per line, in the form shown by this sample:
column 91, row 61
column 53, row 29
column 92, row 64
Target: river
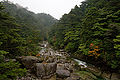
column 46, row 50
column 87, row 71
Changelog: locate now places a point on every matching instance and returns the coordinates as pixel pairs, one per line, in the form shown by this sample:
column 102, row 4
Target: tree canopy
column 20, row 33
column 92, row 30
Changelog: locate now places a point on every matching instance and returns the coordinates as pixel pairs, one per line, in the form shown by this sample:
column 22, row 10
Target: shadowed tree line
column 20, row 32
column 91, row 31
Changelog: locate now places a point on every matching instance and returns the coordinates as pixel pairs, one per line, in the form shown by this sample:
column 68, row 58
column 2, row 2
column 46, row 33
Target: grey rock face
column 45, row 70
column 63, row 73
column 29, row 61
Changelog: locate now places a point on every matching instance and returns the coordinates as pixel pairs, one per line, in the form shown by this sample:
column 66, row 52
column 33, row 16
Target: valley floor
column 51, row 64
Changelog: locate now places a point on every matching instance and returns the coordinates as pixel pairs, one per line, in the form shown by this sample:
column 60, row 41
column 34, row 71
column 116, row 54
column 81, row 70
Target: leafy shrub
column 9, row 70
column 70, row 47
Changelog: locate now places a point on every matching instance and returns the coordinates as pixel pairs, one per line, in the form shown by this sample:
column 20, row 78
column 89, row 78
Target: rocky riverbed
column 57, row 65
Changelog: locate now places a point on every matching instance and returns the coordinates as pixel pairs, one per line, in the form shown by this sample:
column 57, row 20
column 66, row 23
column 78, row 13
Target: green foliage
column 94, row 22
column 117, row 40
column 10, row 37
column 2, row 57
column 70, row 47
column 115, row 62
column 82, row 49
column 21, row 33
column 86, row 75
column 9, row 70
column 30, row 21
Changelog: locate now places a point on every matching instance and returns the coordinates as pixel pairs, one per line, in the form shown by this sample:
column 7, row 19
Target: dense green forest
column 91, row 32
column 37, row 22
column 20, row 32
column 30, row 27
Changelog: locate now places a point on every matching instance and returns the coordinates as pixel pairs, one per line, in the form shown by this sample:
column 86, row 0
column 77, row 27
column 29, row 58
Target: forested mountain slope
column 40, row 21
column 23, row 15
column 20, row 33
column 91, row 31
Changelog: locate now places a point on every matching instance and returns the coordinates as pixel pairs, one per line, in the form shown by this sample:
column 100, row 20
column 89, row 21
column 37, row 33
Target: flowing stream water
column 50, row 51
column 84, row 64
column 47, row 50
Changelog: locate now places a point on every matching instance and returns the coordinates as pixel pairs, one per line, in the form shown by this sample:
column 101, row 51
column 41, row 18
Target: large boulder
column 63, row 73
column 50, row 68
column 29, row 61
column 45, row 70
column 39, row 69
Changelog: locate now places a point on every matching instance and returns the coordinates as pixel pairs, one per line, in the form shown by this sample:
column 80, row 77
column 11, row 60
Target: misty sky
column 56, row 8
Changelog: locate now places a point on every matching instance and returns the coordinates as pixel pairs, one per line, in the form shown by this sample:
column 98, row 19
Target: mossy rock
column 84, row 75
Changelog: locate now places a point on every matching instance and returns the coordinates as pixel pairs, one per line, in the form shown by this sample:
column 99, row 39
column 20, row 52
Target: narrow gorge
column 50, row 64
